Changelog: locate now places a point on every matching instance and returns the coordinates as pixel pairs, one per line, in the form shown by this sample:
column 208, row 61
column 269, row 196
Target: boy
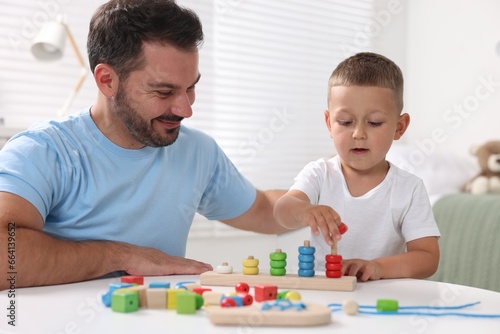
column 392, row 232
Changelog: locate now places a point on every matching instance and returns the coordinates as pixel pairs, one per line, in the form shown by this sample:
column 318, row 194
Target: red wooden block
column 265, row 292
column 139, row 280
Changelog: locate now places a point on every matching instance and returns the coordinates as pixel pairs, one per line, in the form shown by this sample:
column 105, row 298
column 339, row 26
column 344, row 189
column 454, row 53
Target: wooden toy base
column 253, row 316
column 289, row 281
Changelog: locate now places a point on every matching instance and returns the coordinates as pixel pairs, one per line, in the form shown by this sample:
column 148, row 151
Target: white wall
column 452, row 72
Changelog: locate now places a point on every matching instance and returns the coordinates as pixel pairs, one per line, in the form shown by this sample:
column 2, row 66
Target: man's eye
column 163, row 93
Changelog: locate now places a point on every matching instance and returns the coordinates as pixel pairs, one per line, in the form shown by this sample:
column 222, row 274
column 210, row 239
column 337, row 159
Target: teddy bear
column 488, row 179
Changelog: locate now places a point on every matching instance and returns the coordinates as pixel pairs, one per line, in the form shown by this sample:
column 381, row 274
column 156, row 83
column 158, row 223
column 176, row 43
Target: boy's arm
column 37, row 258
column 294, row 210
column 420, row 261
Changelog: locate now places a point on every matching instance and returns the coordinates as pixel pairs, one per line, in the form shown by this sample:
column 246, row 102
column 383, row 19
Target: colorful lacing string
column 432, row 311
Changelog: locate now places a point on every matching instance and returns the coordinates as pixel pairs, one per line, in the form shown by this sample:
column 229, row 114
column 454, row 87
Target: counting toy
column 277, row 263
column 305, row 279
column 250, row 266
column 306, row 260
column 224, row 268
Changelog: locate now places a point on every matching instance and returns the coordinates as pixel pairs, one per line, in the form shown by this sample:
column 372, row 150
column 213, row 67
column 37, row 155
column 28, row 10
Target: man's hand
column 152, row 262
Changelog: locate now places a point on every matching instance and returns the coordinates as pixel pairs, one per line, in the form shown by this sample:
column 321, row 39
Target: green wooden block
column 125, row 301
column 188, row 303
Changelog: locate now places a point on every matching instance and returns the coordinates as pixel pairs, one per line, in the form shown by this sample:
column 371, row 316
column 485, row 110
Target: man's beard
column 141, row 130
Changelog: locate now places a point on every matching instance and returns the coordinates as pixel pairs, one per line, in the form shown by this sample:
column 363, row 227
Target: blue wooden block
column 163, row 285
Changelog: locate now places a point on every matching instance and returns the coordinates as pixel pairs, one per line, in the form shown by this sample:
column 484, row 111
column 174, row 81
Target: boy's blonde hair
column 369, row 69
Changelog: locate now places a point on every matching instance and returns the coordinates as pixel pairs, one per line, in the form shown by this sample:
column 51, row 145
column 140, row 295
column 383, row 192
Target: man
column 115, row 188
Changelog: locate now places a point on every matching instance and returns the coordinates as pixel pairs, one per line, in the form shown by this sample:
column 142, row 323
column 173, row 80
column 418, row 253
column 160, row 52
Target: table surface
column 77, row 308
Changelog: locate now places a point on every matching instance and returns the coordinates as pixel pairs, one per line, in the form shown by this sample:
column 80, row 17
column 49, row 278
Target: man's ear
column 106, row 79
column 403, row 123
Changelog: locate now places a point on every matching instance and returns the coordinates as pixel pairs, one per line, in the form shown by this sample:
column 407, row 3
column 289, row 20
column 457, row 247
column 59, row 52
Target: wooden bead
column 342, row 228
column 330, row 258
column 333, row 266
column 250, row 270
column 277, row 271
column 350, row 307
column 278, row 255
column 293, row 296
column 250, row 262
column 333, row 273
column 387, row 305
column 242, row 287
column 306, row 272
column 224, row 268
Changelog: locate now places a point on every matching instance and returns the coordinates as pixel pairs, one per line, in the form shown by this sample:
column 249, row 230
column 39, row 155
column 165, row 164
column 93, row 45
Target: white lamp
column 48, row 45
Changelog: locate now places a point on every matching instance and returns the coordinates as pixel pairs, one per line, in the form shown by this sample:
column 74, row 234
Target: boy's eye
column 375, row 123
column 344, row 123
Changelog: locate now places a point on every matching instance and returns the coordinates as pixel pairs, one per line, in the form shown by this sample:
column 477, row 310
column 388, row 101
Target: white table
column 77, row 308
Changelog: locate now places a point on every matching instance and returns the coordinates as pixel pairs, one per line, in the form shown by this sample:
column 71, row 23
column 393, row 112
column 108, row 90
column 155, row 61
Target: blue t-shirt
column 87, row 188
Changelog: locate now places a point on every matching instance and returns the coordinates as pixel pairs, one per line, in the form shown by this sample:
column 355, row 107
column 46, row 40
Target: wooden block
column 212, row 297
column 139, row 280
column 188, row 303
column 125, row 301
column 141, row 290
column 289, row 281
column 172, row 297
column 156, row 298
column 265, row 292
column 314, row 314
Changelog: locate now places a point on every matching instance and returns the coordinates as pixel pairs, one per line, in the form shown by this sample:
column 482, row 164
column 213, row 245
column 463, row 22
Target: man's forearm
column 40, row 259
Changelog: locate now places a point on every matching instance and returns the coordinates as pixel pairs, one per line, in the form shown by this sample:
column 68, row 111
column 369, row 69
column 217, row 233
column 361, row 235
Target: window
column 264, row 64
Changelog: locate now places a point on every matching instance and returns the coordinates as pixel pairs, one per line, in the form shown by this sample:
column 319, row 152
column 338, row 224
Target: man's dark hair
column 119, row 28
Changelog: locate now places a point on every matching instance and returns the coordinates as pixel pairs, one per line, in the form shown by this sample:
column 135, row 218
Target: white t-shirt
column 380, row 222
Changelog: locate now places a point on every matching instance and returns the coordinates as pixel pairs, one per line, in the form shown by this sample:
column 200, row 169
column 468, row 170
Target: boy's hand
column 324, row 219
column 362, row 269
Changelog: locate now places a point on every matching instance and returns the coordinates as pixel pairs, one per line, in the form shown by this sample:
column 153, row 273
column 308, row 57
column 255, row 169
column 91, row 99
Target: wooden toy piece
column 250, row 266
column 253, row 316
column 141, row 290
column 238, row 301
column 247, row 299
column 265, row 292
column 224, row 268
column 293, row 296
column 188, row 302
column 191, row 286
column 333, row 265
column 182, row 284
column 306, row 260
column 201, row 291
column 212, row 297
column 106, row 297
column 277, row 263
column 289, row 281
column 139, row 280
column 172, row 297
column 156, row 298
column 242, row 287
column 125, row 301
column 162, row 285
column 350, row 307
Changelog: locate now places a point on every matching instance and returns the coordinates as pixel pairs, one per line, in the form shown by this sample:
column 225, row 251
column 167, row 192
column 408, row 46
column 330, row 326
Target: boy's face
column 363, row 121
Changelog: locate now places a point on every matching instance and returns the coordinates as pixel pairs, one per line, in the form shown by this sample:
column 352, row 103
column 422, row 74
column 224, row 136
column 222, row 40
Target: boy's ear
column 106, row 79
column 403, row 123
column 327, row 121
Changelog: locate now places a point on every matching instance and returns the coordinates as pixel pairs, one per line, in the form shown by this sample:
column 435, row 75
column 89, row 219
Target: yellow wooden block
column 172, row 297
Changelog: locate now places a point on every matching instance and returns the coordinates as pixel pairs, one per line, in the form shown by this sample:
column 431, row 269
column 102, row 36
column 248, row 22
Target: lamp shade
column 49, row 43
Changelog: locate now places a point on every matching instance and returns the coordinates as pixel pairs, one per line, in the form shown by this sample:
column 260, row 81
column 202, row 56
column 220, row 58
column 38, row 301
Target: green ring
column 278, row 271
column 277, row 256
